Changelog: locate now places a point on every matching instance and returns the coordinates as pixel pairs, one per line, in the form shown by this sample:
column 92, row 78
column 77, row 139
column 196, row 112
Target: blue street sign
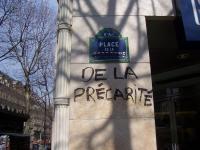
column 108, row 46
column 190, row 10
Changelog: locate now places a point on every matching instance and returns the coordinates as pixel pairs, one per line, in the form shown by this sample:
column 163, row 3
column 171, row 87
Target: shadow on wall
column 114, row 130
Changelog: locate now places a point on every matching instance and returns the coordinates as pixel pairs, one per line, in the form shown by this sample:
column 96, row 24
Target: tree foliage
column 27, row 37
column 8, row 10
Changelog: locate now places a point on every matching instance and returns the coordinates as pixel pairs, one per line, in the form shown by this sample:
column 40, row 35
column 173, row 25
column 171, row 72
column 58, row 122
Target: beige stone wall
column 108, row 113
column 122, row 7
column 96, row 98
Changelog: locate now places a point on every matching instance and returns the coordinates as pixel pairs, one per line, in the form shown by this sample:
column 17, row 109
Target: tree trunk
column 27, row 98
column 45, row 115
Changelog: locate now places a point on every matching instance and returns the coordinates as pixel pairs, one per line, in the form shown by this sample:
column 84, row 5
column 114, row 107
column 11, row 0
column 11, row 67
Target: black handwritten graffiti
column 100, row 74
column 134, row 93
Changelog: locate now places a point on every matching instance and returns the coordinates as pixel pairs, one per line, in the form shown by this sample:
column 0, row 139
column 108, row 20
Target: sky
column 11, row 68
column 53, row 4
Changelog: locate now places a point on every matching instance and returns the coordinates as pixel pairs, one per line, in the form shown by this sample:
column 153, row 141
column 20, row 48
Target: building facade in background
column 13, row 115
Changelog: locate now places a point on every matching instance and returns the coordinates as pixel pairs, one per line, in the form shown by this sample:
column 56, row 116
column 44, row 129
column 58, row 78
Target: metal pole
column 172, row 115
column 60, row 132
column 173, row 125
column 45, row 115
